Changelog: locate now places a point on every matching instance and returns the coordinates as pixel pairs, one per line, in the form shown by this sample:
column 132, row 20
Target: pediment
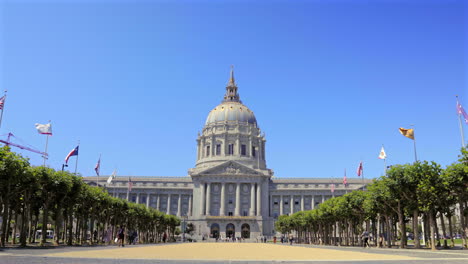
column 229, row 168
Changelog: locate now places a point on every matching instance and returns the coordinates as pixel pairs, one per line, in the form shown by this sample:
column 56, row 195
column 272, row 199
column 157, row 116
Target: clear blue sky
column 329, row 81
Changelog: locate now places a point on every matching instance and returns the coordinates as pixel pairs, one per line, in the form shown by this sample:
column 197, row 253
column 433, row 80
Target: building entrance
column 214, row 233
column 245, row 231
column 230, row 231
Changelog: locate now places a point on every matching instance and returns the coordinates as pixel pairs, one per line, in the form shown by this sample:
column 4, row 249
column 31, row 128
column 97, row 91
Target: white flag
column 109, row 180
column 44, row 129
column 382, row 154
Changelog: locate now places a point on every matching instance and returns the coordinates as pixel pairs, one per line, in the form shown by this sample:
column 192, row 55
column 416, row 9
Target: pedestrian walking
column 121, row 236
column 365, row 238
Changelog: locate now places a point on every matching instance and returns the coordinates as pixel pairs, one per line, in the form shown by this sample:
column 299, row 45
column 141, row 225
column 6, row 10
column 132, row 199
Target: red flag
column 2, row 102
column 359, row 169
column 333, row 188
column 98, row 166
column 130, row 184
column 74, row 152
column 345, row 180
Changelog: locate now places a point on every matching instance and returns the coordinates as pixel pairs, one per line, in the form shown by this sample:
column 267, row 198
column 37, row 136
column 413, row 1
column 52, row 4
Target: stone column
column 302, row 202
column 148, row 200
column 168, row 209
column 312, row 201
column 252, row 199
column 208, row 198
column 291, row 204
column 271, row 206
column 189, row 213
column 323, row 198
column 259, row 199
column 137, row 198
column 157, row 201
column 238, row 205
column 281, row 205
column 202, row 200
column 223, row 199
column 238, row 147
column 179, row 205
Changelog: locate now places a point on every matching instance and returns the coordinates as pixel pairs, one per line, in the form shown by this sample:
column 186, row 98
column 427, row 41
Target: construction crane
column 8, row 143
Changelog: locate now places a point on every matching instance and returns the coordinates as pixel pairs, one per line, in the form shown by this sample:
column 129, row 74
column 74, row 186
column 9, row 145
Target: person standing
column 164, row 237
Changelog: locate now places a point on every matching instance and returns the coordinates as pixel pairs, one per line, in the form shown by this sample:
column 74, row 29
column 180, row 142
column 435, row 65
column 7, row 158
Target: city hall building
column 230, row 192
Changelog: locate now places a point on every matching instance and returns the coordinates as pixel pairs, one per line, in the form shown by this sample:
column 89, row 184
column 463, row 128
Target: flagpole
column 77, row 155
column 459, row 122
column 385, row 166
column 45, row 152
column 46, row 144
column 128, row 189
column 99, row 169
column 1, row 115
column 414, row 141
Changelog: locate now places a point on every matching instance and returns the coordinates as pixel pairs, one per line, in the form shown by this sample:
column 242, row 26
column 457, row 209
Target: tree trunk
column 462, row 221
column 402, row 225
column 23, row 227
column 417, row 242
column 45, row 214
column 432, row 228
column 388, row 232
column 70, row 229
column 15, row 225
column 58, row 223
column 444, row 233
column 452, row 241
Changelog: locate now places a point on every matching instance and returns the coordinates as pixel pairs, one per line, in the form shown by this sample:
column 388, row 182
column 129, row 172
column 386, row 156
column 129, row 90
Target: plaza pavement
column 228, row 253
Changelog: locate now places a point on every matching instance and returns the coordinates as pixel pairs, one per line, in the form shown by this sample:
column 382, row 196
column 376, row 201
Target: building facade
column 230, row 192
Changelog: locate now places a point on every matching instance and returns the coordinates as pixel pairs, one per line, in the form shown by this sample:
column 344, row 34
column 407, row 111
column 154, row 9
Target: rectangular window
column 218, row 149
column 286, row 203
column 230, row 201
column 275, row 202
column 253, row 151
column 243, row 150
column 207, row 151
column 296, row 202
column 229, row 213
column 231, row 149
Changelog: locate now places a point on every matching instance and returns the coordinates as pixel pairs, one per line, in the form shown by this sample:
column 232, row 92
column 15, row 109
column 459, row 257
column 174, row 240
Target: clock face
column 216, row 188
column 245, row 188
column 231, row 187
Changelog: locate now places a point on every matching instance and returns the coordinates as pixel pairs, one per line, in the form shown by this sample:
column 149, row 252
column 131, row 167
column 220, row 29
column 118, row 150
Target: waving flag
column 382, row 154
column 333, row 188
column 462, row 112
column 74, row 152
column 2, row 102
column 44, row 129
column 359, row 169
column 409, row 133
column 98, row 166
column 111, row 177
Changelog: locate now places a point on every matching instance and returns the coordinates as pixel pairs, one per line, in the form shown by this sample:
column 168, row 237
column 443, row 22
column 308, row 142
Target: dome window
column 207, row 151
column 243, row 150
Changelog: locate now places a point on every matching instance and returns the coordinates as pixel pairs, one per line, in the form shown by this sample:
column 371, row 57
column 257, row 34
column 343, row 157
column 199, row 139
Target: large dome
column 231, row 112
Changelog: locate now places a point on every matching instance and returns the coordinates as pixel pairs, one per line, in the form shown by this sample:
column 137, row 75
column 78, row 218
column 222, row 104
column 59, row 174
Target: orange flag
column 409, row 133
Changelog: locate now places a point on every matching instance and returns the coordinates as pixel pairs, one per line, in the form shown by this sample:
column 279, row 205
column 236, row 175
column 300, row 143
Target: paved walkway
column 228, row 253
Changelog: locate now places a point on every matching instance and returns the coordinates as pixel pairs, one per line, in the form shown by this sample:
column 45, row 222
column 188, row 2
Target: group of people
column 132, row 237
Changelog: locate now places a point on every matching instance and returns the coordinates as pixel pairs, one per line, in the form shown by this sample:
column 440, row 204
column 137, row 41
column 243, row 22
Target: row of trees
column 408, row 193
column 38, row 197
